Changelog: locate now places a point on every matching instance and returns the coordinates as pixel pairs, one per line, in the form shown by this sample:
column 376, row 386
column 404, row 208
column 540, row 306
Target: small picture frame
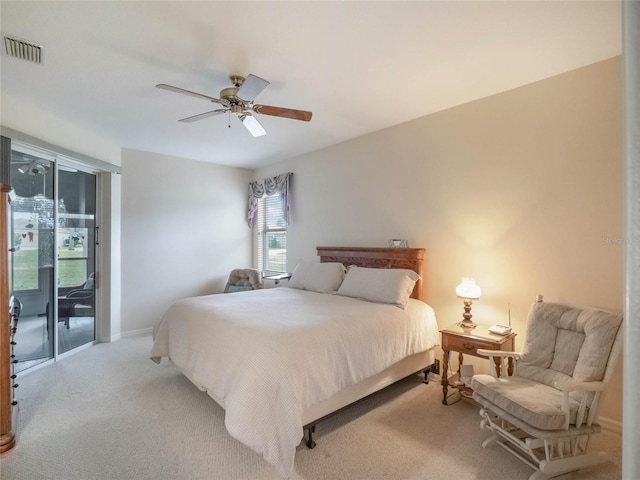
column 398, row 243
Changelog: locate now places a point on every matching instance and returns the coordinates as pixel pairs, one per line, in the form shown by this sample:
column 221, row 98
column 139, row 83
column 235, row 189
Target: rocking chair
column 242, row 279
column 545, row 412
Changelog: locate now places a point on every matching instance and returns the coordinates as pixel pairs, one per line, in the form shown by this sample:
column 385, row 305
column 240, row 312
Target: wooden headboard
column 409, row 258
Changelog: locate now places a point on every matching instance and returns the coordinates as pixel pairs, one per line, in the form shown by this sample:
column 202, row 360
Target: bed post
column 7, row 437
column 310, row 442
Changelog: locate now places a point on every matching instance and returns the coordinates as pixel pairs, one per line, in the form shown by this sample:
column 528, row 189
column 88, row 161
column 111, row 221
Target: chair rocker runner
column 545, row 412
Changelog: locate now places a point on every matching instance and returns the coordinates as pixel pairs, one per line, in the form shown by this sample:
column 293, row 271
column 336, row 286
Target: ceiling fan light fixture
column 33, row 168
column 252, row 125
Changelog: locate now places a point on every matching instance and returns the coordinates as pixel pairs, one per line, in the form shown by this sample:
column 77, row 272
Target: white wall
column 521, row 190
column 183, row 231
column 110, row 280
column 52, row 128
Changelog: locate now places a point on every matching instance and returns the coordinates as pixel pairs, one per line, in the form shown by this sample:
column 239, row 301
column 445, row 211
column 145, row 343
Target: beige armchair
column 242, row 279
column 545, row 413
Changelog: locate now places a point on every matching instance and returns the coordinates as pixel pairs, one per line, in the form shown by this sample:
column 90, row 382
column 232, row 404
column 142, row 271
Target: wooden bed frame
column 409, row 258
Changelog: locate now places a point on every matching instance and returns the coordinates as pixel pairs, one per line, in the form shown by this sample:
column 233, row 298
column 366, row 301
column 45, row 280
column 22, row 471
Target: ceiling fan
column 239, row 100
column 33, row 168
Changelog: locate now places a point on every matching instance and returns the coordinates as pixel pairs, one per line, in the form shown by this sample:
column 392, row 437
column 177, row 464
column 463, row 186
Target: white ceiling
column 358, row 66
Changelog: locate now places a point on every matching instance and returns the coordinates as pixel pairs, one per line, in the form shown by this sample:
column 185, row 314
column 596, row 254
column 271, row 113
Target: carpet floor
column 109, row 413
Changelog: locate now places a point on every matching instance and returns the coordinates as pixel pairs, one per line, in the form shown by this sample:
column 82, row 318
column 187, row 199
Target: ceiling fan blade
column 171, row 88
column 283, row 112
column 202, row 116
column 253, row 125
column 252, row 87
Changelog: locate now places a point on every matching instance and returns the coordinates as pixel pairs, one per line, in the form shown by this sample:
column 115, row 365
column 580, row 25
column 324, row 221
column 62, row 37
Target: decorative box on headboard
column 372, row 257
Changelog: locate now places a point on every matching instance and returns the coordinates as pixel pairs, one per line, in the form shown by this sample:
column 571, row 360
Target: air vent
column 22, row 49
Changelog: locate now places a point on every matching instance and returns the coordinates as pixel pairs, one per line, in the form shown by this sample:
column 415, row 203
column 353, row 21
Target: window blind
column 271, row 235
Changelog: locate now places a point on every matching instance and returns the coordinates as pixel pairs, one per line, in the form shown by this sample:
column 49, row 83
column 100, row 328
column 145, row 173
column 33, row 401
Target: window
column 271, row 235
column 75, row 263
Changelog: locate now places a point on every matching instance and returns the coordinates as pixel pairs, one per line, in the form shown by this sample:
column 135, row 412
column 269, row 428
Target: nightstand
column 454, row 338
column 276, row 278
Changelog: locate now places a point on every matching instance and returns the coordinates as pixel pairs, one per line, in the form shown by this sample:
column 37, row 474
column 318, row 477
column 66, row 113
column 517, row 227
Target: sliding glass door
column 33, row 261
column 53, row 234
column 76, row 258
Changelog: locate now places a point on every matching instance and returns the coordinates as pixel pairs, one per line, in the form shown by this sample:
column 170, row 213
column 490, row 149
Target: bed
column 280, row 360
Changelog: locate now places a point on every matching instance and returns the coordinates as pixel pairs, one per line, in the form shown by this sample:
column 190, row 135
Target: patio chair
column 76, row 301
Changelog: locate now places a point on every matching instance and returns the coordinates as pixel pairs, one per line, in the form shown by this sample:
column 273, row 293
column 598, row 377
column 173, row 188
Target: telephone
column 500, row 330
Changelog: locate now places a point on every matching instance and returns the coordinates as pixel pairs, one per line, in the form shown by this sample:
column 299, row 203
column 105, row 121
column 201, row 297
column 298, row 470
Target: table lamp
column 468, row 291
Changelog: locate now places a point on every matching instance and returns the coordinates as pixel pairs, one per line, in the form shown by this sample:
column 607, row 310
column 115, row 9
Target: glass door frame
column 58, row 160
column 65, row 162
column 41, row 292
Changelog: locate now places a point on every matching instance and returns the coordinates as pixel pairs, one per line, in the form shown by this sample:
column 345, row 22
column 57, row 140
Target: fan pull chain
column 229, row 118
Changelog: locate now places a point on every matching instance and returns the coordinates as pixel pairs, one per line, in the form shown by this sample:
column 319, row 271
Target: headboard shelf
column 374, row 257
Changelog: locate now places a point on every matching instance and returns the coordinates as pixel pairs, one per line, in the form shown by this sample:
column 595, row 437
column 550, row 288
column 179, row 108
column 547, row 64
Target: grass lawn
column 25, row 269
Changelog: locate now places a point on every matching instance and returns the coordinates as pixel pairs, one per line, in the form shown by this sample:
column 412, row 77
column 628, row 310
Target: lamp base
column 467, row 326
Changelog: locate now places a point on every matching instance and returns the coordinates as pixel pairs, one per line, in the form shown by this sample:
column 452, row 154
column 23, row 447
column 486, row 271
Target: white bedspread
column 267, row 355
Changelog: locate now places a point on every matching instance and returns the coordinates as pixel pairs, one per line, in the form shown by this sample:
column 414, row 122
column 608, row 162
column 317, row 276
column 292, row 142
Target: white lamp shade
column 468, row 289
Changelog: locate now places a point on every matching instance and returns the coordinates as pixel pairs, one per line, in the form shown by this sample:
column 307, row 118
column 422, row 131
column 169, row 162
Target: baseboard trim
column 109, row 339
column 137, row 332
column 125, row 334
column 610, row 425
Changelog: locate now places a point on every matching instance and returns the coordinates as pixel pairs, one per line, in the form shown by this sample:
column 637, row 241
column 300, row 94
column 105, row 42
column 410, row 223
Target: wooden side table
column 276, row 278
column 454, row 338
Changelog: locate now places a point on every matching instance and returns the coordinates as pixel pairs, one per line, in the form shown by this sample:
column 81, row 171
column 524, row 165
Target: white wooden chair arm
column 498, row 359
column 592, row 405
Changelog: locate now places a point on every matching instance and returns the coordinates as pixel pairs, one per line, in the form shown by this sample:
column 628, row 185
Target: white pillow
column 317, row 277
column 380, row 285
